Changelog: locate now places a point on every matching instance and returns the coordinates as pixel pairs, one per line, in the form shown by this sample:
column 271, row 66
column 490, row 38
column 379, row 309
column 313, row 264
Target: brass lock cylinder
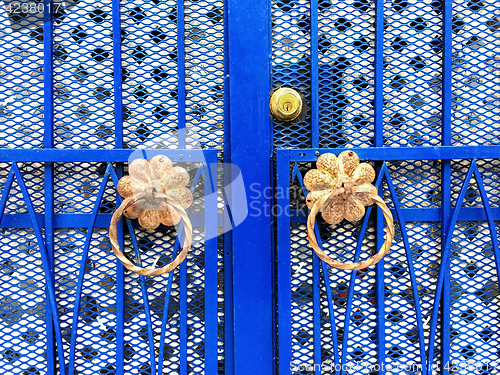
column 285, row 104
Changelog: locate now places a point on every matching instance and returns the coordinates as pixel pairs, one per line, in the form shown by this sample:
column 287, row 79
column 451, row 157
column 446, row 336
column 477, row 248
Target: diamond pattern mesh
column 21, row 79
column 291, row 65
column 204, row 23
column 489, row 170
column 412, row 72
column 149, row 74
column 425, row 242
column 476, row 39
column 345, row 48
column 83, row 76
column 33, row 179
column 473, row 283
column 95, row 350
column 417, row 183
column 22, row 304
column 474, row 298
column 172, row 78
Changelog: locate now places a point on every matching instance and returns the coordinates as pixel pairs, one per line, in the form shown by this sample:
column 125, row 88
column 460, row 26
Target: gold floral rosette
column 155, row 193
column 340, row 188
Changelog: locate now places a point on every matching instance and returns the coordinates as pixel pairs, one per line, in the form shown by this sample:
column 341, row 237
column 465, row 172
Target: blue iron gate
column 87, row 86
column 410, row 86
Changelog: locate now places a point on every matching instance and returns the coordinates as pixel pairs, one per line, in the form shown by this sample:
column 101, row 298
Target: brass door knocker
column 340, row 189
column 155, row 193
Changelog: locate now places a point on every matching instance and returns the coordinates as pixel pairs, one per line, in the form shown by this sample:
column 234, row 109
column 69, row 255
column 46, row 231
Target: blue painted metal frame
column 441, row 301
column 403, row 153
column 249, row 87
column 48, row 119
column 209, row 219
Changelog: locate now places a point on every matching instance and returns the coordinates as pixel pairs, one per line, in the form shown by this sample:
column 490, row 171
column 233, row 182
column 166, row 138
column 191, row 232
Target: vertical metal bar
column 446, row 180
column 211, row 267
column 117, row 77
column 183, row 318
column 118, row 109
column 249, row 70
column 380, row 300
column 379, row 75
column 48, row 142
column 379, row 142
column 314, row 75
column 181, row 75
column 228, row 250
column 316, row 314
column 284, row 265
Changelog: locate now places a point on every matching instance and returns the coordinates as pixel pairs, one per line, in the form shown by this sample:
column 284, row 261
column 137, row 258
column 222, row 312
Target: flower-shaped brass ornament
column 155, row 193
column 340, row 189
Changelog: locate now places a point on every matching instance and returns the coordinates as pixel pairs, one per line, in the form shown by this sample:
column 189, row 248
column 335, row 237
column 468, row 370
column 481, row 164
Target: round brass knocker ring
column 150, row 271
column 323, row 202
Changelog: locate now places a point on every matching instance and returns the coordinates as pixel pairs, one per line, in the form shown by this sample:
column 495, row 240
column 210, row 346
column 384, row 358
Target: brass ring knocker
column 154, row 193
column 340, row 189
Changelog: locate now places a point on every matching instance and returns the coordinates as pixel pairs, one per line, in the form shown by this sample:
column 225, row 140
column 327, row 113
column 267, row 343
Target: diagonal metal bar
column 46, row 267
column 178, row 240
column 409, row 258
column 444, row 266
column 168, row 292
column 5, row 193
column 296, row 174
column 352, row 282
column 489, row 215
column 145, row 299
column 81, row 273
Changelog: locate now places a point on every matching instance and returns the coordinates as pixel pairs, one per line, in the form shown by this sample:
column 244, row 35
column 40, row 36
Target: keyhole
column 287, row 107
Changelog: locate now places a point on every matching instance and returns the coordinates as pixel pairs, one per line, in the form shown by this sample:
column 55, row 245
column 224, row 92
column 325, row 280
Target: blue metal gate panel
column 329, row 316
column 83, row 86
column 391, row 80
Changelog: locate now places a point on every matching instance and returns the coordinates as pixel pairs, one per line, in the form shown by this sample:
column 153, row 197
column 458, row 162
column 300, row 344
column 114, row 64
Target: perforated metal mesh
column 33, row 179
column 474, row 298
column 345, row 49
column 83, row 75
column 409, row 282
column 360, row 325
column 417, row 183
column 95, row 350
column 77, row 187
column 476, row 39
column 204, row 23
column 401, row 329
column 302, row 297
column 291, row 65
column 136, row 333
column 22, row 304
column 21, row 79
column 412, row 72
column 489, row 171
column 150, row 74
column 173, row 97
column 425, row 245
